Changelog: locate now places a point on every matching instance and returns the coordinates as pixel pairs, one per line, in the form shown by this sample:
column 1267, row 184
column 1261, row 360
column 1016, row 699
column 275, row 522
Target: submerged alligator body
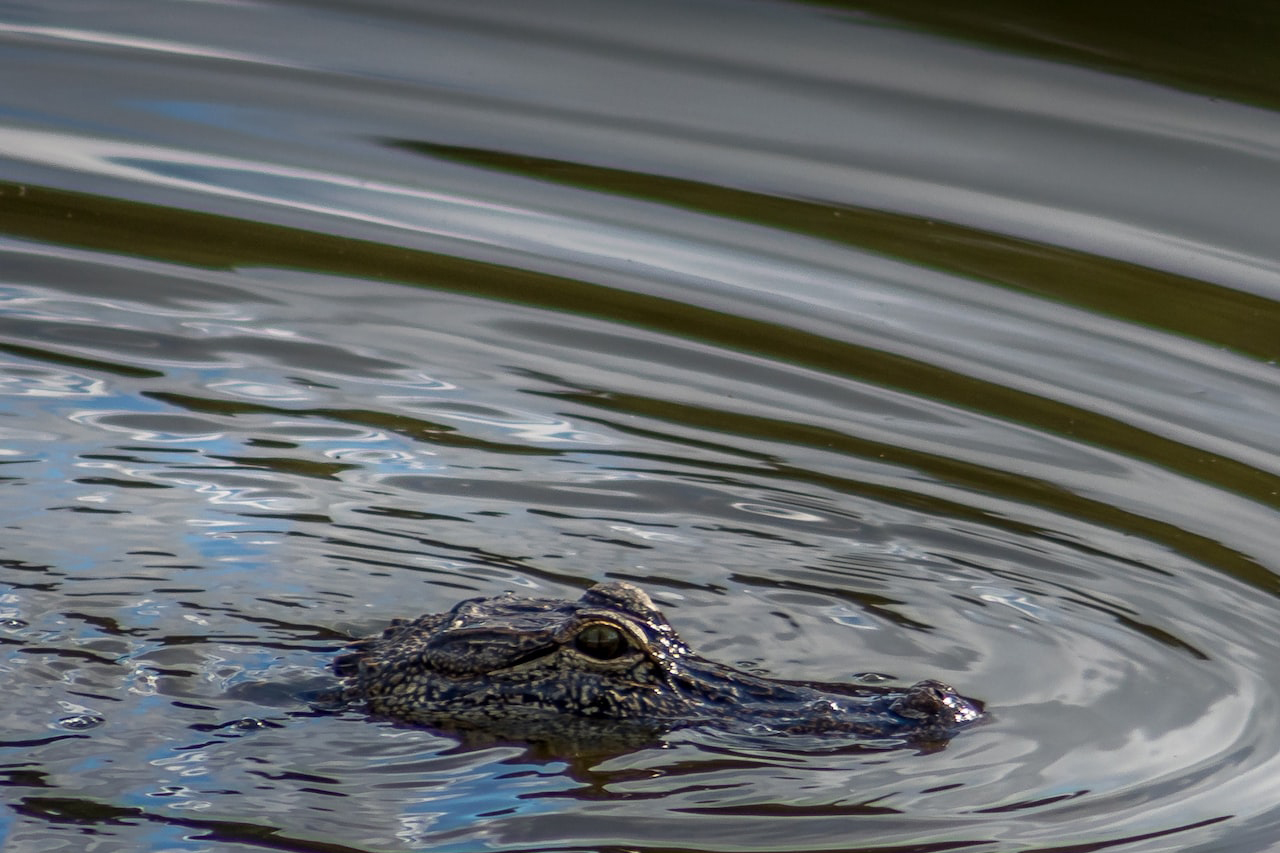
column 538, row 669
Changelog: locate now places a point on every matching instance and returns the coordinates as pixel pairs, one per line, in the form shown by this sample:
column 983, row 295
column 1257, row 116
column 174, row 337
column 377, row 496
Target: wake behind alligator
column 546, row 669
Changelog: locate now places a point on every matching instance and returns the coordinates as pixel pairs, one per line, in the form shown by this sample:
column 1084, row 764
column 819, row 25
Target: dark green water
column 897, row 338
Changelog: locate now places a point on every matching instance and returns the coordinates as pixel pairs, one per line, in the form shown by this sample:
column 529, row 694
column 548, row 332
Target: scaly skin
column 538, row 669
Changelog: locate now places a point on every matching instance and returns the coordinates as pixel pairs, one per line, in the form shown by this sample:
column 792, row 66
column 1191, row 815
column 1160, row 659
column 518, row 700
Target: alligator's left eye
column 601, row 641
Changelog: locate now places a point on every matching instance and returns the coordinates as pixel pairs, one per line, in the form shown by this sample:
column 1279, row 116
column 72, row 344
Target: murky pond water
column 914, row 345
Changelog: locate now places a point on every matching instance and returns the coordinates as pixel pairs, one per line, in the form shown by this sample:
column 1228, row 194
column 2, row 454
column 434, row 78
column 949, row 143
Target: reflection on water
column 932, row 346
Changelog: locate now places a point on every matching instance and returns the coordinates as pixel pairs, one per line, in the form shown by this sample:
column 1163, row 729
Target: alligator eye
column 600, row 641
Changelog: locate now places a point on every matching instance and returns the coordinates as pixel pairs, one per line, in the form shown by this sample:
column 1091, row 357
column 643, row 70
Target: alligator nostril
column 925, row 700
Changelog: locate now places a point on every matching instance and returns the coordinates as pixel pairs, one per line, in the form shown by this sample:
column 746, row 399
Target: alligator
column 535, row 669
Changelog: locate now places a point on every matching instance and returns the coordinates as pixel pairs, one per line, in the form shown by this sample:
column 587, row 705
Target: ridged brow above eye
column 601, row 641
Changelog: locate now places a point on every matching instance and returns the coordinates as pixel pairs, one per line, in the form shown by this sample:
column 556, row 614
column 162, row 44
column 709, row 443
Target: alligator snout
column 936, row 702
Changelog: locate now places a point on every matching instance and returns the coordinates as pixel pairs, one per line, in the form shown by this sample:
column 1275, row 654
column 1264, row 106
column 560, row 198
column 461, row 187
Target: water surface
column 867, row 340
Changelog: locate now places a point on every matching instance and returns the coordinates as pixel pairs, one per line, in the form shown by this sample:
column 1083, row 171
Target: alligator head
column 532, row 668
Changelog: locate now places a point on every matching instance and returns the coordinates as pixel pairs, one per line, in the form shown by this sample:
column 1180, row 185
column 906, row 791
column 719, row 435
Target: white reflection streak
column 540, row 430
column 648, row 535
column 18, row 380
column 111, row 158
column 253, row 493
column 99, row 418
column 136, row 43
